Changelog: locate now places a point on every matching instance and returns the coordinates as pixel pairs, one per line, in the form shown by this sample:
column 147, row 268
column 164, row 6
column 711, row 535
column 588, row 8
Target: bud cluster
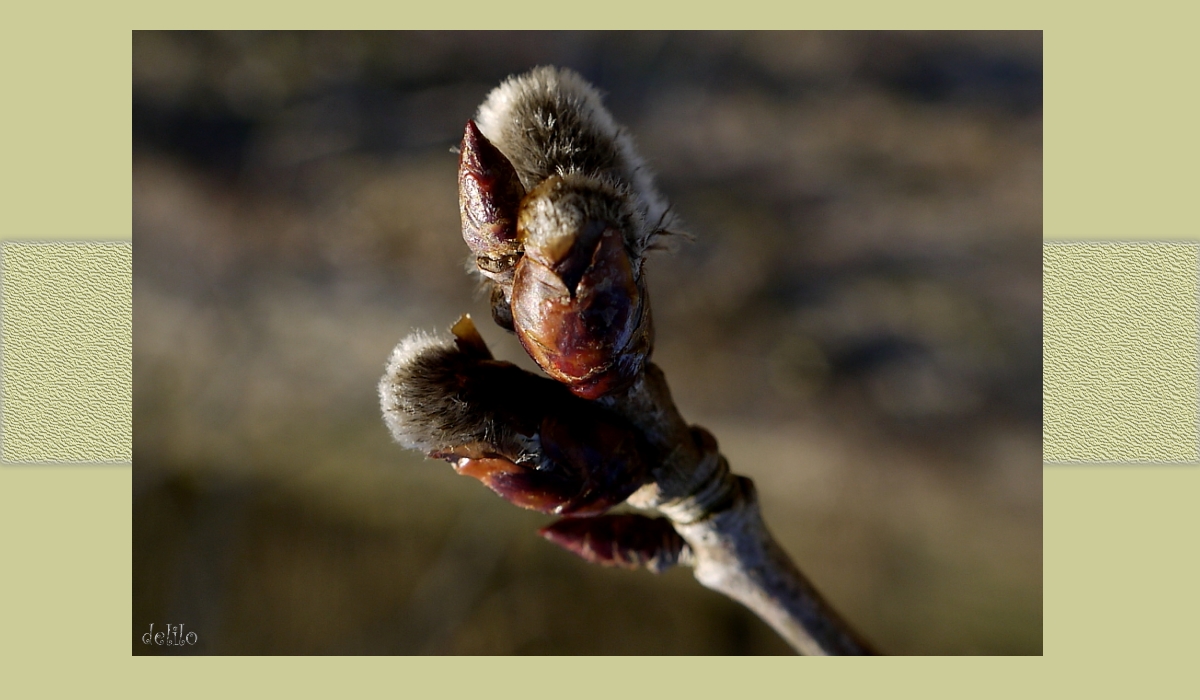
column 557, row 210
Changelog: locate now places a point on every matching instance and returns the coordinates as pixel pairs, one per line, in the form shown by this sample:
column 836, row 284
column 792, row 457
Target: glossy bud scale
column 489, row 194
column 579, row 305
column 628, row 541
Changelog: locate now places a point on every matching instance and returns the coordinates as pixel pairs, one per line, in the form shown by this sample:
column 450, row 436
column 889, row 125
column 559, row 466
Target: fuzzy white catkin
column 550, row 121
column 409, row 425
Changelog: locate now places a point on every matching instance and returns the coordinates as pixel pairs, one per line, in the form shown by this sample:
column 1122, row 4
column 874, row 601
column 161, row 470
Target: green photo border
column 1120, row 574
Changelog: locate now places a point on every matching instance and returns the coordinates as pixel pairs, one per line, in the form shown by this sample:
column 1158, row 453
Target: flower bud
column 579, row 303
column 628, row 541
column 489, row 194
column 526, row 437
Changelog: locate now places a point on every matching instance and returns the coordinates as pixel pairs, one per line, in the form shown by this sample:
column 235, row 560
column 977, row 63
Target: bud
column 628, row 541
column 526, row 437
column 551, row 122
column 489, row 194
column 579, row 303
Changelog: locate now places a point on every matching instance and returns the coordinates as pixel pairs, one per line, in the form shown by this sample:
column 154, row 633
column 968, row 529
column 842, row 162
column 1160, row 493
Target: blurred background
column 857, row 320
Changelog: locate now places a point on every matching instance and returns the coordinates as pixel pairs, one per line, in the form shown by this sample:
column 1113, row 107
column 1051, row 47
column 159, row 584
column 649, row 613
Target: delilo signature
column 174, row 636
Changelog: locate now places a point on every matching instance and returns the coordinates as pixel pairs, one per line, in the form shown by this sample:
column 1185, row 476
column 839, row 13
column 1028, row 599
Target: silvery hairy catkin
column 526, row 437
column 569, row 280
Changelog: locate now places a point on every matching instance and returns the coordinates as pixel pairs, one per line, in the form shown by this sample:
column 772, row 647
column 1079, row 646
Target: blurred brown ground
column 857, row 320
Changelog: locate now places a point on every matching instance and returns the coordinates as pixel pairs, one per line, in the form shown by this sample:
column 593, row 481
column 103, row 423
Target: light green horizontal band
column 66, row 342
column 1120, row 352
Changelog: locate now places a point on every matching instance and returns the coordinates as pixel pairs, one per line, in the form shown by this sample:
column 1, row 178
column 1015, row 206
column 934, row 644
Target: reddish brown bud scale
column 596, row 464
column 520, row 485
column 489, row 195
column 609, row 457
column 627, row 541
column 595, row 335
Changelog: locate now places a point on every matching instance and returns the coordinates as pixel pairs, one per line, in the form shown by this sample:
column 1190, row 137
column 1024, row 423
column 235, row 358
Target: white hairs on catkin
column 426, row 402
column 550, row 121
column 437, row 395
column 409, row 426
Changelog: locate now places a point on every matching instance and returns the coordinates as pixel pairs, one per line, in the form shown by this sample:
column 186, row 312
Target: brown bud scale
column 489, row 194
column 596, row 336
column 628, row 541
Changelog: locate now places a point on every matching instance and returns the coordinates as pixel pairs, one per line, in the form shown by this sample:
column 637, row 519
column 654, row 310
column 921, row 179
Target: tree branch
column 717, row 514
